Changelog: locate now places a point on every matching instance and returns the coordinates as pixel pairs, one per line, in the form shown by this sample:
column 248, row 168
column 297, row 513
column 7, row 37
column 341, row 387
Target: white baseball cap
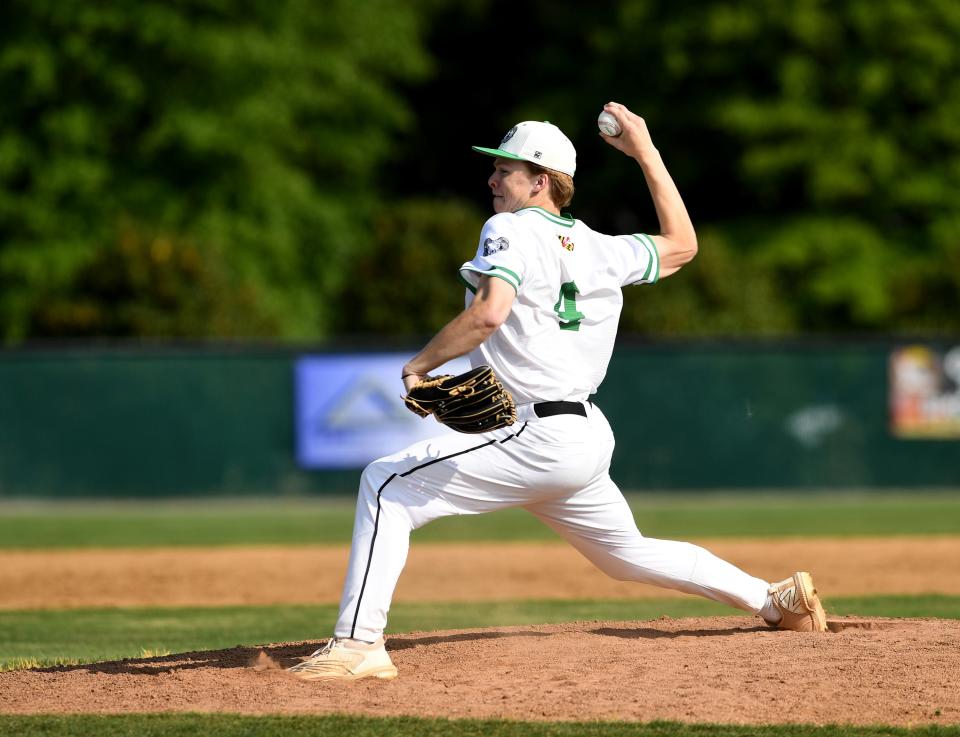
column 539, row 143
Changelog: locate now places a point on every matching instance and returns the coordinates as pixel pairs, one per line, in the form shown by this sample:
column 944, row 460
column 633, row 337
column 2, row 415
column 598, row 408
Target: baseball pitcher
column 543, row 299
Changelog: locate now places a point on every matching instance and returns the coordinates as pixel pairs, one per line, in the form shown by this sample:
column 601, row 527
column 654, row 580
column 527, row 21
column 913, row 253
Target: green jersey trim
column 510, row 277
column 654, row 265
column 656, row 253
column 467, row 284
column 567, row 221
column 514, row 274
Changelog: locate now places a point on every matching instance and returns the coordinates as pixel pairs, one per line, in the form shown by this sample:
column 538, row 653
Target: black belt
column 549, row 409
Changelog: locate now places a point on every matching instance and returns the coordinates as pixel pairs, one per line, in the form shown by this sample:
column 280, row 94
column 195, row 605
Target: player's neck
column 544, row 203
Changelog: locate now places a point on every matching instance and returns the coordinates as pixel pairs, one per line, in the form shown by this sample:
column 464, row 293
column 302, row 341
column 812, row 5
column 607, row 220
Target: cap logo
column 509, row 135
column 537, row 154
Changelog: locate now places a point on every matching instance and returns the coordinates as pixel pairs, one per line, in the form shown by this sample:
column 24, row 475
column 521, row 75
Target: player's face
column 512, row 185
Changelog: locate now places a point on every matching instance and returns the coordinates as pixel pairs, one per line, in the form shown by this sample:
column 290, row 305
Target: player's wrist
column 648, row 156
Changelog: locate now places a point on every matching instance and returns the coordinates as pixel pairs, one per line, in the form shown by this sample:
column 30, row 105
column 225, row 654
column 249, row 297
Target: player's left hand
column 410, row 379
column 635, row 140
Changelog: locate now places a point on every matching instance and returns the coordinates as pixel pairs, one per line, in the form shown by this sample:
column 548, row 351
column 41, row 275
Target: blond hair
column 561, row 185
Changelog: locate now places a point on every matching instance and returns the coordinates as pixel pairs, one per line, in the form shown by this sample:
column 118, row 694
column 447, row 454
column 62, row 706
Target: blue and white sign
column 349, row 409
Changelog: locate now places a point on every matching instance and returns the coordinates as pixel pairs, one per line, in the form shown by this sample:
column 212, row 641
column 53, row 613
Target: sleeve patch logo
column 566, row 242
column 495, row 245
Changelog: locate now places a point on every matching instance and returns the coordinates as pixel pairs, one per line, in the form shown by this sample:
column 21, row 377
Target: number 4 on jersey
column 566, row 307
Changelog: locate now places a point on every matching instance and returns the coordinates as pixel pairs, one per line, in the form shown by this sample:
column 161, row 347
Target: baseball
column 608, row 125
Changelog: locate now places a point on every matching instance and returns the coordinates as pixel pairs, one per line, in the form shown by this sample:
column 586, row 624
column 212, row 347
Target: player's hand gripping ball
column 608, row 125
column 472, row 402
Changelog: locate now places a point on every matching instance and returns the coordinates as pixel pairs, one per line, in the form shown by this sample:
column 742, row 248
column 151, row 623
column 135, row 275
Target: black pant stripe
column 510, row 437
column 376, row 525
column 376, row 519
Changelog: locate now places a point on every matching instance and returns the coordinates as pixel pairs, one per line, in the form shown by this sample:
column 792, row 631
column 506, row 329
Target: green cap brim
column 497, row 152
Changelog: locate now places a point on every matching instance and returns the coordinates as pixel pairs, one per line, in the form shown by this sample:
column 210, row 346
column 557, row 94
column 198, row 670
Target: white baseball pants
column 555, row 467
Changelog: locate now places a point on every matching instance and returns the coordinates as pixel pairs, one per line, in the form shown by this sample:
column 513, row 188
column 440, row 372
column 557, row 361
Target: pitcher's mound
column 720, row 669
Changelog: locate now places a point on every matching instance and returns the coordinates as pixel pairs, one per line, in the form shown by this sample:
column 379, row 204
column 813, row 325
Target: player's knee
column 618, row 571
column 373, row 478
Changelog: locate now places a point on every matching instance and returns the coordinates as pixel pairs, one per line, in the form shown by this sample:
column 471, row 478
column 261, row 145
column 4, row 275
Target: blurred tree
column 153, row 285
column 407, row 283
column 827, row 147
column 849, row 139
column 245, row 134
column 817, row 146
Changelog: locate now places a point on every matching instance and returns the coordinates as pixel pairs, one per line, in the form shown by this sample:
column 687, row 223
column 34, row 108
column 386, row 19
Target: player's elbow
column 689, row 247
column 676, row 253
column 487, row 318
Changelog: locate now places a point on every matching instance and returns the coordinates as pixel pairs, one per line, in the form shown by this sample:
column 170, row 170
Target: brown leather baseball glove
column 473, row 402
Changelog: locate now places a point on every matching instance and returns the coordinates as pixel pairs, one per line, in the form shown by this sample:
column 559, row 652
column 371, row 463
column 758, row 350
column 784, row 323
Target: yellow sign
column 925, row 393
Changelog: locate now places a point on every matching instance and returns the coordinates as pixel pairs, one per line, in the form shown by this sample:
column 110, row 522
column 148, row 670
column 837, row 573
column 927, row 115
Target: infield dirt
column 445, row 572
column 721, row 669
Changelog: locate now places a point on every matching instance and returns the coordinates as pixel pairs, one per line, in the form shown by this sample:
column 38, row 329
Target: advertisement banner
column 349, row 409
column 925, row 392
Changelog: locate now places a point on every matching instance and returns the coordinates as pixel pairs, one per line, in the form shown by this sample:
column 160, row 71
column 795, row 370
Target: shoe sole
column 384, row 674
column 811, row 601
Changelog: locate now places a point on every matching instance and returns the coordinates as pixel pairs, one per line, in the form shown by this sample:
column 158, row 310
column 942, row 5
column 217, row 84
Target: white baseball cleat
column 799, row 606
column 343, row 659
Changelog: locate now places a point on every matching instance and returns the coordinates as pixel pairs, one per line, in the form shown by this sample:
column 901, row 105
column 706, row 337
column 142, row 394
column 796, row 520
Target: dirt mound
column 720, row 669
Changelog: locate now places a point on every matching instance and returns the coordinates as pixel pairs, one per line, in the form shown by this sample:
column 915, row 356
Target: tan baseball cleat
column 347, row 660
column 799, row 606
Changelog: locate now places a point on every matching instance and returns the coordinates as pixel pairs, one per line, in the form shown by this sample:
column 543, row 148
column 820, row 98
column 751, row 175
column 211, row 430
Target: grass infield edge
column 44, row 638
column 335, row 725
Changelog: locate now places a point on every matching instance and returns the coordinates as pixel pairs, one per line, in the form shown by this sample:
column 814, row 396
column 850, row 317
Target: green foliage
column 154, row 286
column 816, row 145
column 246, row 134
column 719, row 292
column 842, row 146
column 406, row 283
column 849, row 137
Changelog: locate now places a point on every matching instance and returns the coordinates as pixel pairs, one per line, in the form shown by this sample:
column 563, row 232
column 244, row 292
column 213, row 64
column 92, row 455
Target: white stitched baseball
column 608, row 125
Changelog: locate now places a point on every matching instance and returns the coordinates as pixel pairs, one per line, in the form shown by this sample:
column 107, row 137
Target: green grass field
column 678, row 516
column 38, row 638
column 227, row 725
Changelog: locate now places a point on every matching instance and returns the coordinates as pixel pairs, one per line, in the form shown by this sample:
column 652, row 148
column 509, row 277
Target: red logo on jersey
column 566, row 242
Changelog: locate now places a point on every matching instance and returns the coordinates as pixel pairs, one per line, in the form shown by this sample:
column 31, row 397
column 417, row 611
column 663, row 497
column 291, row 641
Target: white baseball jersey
column 557, row 341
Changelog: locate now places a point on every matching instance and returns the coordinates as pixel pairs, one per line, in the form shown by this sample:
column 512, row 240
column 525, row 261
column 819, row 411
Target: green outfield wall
column 220, row 421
